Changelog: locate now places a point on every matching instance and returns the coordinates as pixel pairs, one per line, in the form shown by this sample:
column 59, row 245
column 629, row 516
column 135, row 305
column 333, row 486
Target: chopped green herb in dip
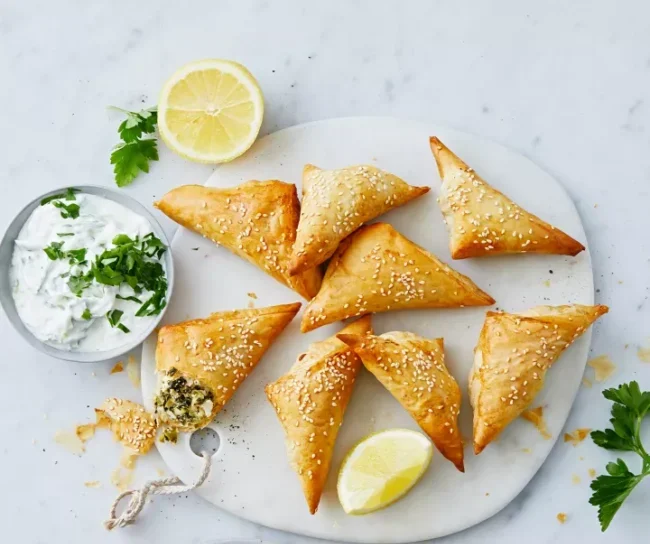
column 79, row 264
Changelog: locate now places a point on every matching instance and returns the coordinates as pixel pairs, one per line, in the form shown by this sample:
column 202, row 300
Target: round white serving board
column 251, row 476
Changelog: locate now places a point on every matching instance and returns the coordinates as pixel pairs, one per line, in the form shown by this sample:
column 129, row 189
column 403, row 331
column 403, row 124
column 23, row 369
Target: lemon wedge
column 210, row 111
column 381, row 469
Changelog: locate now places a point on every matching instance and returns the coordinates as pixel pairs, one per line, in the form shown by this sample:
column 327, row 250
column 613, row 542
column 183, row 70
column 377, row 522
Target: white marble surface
column 563, row 83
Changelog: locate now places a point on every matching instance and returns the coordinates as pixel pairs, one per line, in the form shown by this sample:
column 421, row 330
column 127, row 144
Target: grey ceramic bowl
column 7, row 299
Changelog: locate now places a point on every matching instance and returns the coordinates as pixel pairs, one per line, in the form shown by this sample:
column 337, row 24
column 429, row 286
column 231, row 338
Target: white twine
column 164, row 486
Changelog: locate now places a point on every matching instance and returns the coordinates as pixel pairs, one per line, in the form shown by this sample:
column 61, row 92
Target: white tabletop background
column 564, row 83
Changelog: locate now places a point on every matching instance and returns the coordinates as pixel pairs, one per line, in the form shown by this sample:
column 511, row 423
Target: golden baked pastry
column 413, row 370
column 377, row 269
column 256, row 220
column 129, row 422
column 310, row 401
column 513, row 353
column 201, row 363
column 482, row 221
column 335, row 203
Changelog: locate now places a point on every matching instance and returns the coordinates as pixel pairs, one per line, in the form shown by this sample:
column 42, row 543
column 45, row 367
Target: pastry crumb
column 119, row 367
column 526, row 450
column 587, row 382
column 581, row 458
column 252, row 295
column 160, row 472
column 487, row 494
column 577, row 436
column 93, row 484
column 133, row 371
column 128, row 458
column 85, row 432
column 575, row 479
column 547, row 283
column 251, row 304
column 130, row 423
column 536, row 417
column 603, row 367
column 643, row 354
column 562, row 517
column 70, row 442
column 592, row 473
column 122, row 478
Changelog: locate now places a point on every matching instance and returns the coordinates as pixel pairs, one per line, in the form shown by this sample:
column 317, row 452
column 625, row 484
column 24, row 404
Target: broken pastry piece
column 376, row 269
column 256, row 221
column 413, row 370
column 201, row 363
column 482, row 221
column 310, row 401
column 129, row 422
column 514, row 352
column 335, row 203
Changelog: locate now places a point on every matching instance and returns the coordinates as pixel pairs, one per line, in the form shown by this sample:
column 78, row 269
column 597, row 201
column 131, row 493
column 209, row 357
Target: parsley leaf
column 131, row 298
column 629, row 409
column 67, row 210
column 64, row 234
column 77, row 256
column 132, row 155
column 86, row 315
column 53, row 251
column 130, row 261
column 138, row 123
column 80, row 282
column 131, row 158
column 114, row 317
column 68, row 195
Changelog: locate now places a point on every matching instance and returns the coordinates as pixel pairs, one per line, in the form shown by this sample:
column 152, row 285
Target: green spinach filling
column 182, row 401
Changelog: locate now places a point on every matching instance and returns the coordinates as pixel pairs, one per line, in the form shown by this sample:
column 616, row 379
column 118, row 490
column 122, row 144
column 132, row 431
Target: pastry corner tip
column 293, row 307
column 295, row 267
column 478, row 448
column 435, row 142
column 351, row 340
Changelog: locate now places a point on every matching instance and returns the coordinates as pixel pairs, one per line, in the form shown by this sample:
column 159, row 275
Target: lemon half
column 210, row 111
column 381, row 469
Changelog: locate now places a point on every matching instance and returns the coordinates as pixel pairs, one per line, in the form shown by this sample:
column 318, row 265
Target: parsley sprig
column 130, row 261
column 132, row 155
column 610, row 490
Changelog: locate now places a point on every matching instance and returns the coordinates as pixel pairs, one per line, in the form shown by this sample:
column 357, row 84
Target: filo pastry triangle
column 413, row 370
column 335, row 203
column 256, row 220
column 376, row 269
column 513, row 354
column 201, row 363
column 310, row 401
column 482, row 221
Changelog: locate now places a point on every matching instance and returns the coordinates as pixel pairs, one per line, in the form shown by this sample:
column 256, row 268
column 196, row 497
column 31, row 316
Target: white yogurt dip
column 41, row 281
